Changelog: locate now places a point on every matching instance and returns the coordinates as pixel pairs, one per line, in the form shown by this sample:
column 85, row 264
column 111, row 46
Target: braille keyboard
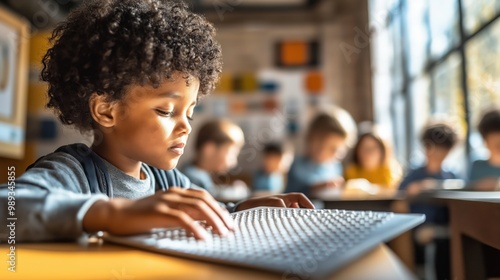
column 302, row 243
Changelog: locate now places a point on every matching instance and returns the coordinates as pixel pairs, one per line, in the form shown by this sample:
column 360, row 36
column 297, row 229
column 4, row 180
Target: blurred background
column 393, row 63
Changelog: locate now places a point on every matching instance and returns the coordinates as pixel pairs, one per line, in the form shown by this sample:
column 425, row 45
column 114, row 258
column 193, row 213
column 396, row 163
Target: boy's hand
column 289, row 200
column 420, row 186
column 176, row 207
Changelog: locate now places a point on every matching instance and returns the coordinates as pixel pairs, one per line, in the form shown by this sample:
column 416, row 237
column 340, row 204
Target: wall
column 248, row 45
column 37, row 90
column 344, row 42
column 35, row 103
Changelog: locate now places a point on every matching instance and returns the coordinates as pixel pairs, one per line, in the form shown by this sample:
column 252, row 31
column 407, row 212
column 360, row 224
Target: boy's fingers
column 276, row 202
column 210, row 201
column 196, row 209
column 187, row 223
column 294, row 205
column 204, row 212
column 299, row 198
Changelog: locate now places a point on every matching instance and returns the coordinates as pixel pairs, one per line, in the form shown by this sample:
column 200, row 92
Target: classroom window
column 444, row 28
column 419, row 39
column 448, row 93
column 483, row 72
column 419, row 98
column 479, row 12
column 427, row 69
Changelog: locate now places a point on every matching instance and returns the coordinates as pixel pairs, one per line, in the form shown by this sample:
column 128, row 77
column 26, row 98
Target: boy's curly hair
column 106, row 45
column 440, row 134
column 490, row 122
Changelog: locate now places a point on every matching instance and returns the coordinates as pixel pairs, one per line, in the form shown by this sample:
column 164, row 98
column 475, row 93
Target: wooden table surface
column 73, row 261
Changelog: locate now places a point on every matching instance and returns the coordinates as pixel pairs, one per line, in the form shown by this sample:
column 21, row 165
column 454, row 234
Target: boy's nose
column 186, row 126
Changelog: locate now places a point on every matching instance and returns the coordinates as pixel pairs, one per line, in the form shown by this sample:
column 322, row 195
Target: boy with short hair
column 485, row 174
column 269, row 177
column 217, row 147
column 131, row 71
column 438, row 140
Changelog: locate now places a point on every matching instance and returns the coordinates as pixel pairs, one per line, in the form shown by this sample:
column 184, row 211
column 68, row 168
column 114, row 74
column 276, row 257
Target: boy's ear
column 102, row 111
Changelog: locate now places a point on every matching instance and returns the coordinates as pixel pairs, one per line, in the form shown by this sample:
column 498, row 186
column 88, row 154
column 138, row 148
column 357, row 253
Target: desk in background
column 474, row 230
column 474, row 223
column 475, row 237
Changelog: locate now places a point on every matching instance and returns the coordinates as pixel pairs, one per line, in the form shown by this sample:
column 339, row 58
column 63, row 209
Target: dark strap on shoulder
column 160, row 178
column 169, row 178
column 93, row 167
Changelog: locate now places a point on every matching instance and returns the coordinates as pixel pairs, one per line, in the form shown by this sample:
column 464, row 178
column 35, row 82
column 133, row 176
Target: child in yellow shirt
column 371, row 160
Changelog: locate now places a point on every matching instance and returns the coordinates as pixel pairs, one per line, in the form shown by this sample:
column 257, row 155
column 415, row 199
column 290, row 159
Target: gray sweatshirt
column 53, row 196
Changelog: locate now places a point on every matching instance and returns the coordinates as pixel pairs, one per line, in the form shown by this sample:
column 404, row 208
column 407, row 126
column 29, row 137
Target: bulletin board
column 294, row 54
column 14, row 51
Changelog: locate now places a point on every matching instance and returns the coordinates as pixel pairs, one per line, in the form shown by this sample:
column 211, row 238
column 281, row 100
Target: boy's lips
column 177, row 148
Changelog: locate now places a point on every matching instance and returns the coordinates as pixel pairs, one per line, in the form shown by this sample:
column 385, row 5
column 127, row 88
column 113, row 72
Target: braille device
column 299, row 243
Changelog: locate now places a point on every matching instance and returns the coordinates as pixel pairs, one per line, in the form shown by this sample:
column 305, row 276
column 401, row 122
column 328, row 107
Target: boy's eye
column 169, row 114
column 164, row 113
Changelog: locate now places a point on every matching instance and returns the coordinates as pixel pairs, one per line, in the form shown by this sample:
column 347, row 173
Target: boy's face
column 436, row 154
column 272, row 163
column 326, row 148
column 492, row 141
column 225, row 157
column 153, row 123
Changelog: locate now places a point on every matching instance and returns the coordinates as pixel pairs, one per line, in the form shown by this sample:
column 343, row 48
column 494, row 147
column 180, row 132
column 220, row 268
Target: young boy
column 320, row 168
column 269, row 178
column 131, row 71
column 485, row 174
column 218, row 145
column 438, row 139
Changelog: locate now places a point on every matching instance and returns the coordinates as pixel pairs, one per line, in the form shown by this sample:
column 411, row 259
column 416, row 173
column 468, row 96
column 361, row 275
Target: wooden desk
column 443, row 197
column 72, row 261
column 475, row 238
column 474, row 224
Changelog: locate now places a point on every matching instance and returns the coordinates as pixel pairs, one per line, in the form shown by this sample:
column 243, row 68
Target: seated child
column 371, row 160
column 438, row 139
column 269, row 178
column 485, row 174
column 131, row 72
column 218, row 144
column 320, row 169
